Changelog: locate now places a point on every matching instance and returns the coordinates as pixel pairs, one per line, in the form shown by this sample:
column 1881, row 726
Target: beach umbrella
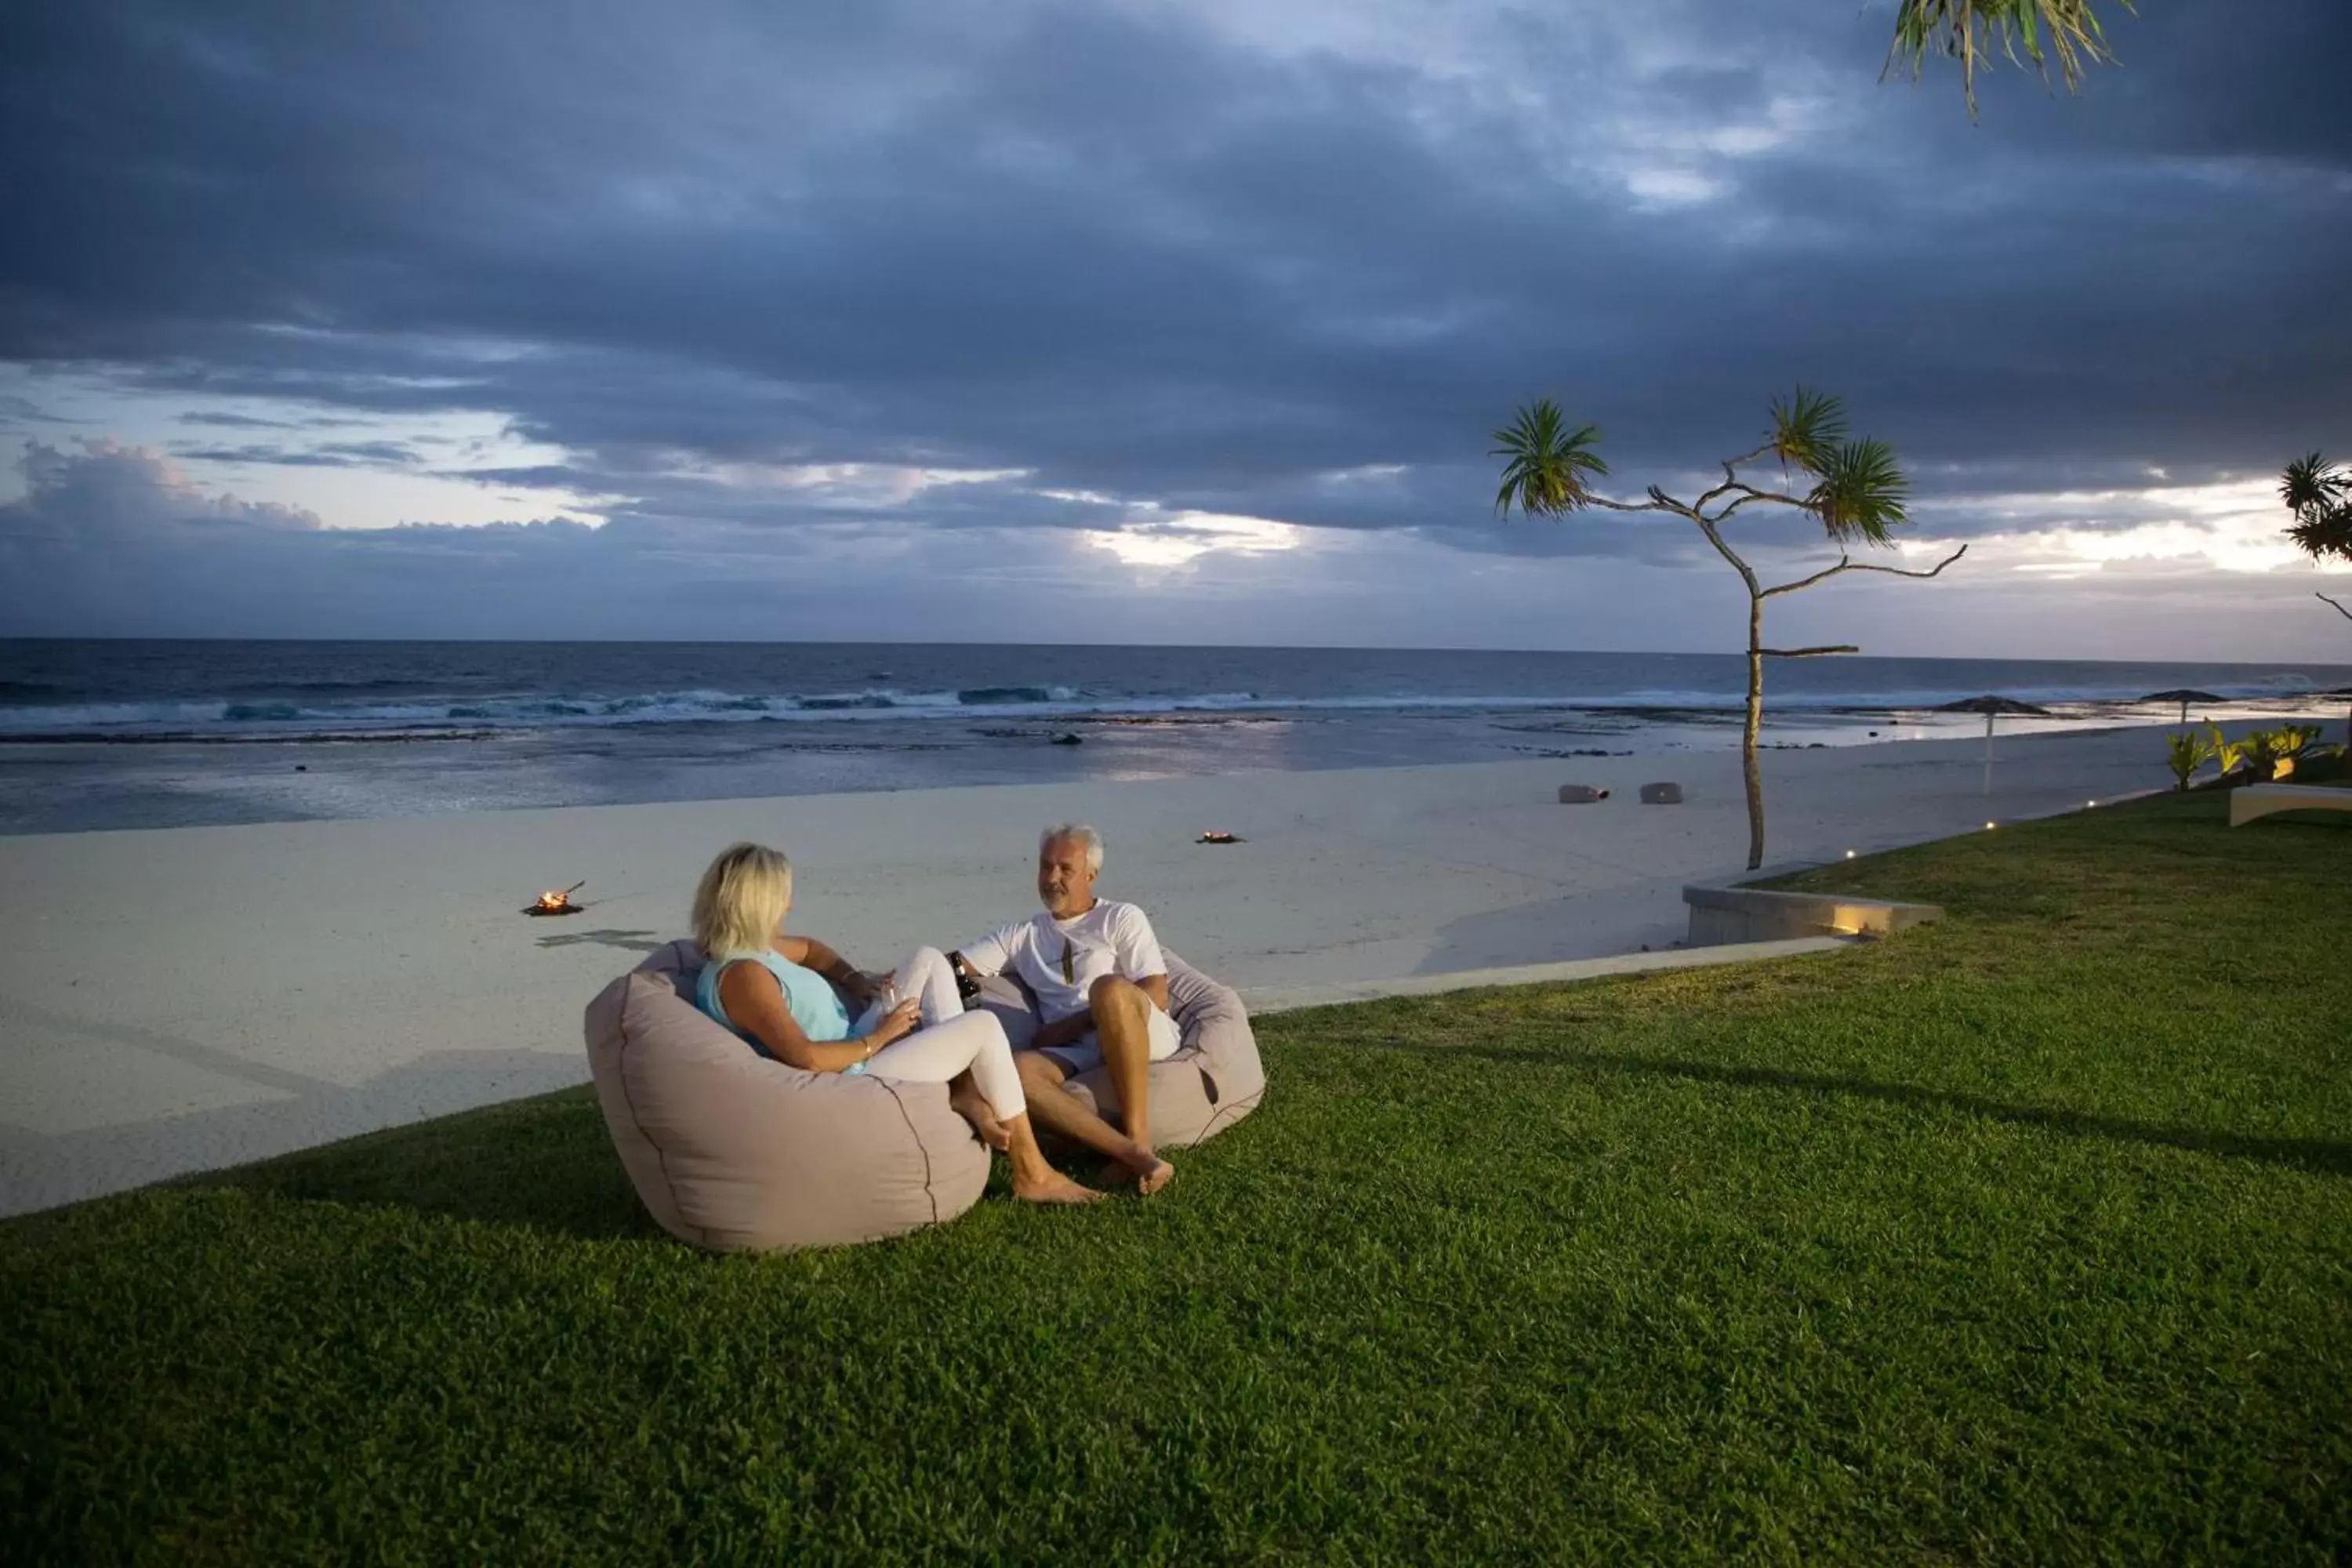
column 2184, row 695
column 1992, row 708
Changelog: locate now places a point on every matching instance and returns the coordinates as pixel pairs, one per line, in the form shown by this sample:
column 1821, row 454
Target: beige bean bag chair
column 731, row 1151
column 1214, row 1080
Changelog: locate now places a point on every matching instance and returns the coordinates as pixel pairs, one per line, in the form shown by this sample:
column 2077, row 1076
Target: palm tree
column 1856, row 494
column 2064, row 33
column 2319, row 493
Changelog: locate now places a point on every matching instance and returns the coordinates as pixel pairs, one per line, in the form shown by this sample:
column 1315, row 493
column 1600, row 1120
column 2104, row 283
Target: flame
column 553, row 900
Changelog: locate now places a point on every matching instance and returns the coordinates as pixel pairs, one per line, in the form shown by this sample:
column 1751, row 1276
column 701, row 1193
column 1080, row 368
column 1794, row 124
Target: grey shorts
column 1084, row 1054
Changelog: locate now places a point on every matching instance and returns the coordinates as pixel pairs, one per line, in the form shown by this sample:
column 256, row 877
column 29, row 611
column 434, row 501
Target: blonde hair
column 741, row 900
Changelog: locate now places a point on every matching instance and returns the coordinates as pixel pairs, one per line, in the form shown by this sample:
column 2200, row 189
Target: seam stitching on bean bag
column 920, row 1148
column 1232, row 1112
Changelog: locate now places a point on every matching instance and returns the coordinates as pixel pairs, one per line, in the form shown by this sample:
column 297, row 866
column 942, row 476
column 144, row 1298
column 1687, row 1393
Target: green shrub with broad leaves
column 2262, row 750
column 2231, row 755
column 2301, row 741
column 2184, row 753
column 2265, row 749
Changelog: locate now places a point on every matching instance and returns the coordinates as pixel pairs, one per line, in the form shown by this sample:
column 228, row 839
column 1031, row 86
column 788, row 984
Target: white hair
column 1074, row 833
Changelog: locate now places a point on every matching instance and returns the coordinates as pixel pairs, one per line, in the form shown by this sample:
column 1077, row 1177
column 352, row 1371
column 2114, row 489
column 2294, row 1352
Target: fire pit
column 557, row 903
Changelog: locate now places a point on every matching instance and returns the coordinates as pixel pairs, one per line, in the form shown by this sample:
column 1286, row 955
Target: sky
column 1128, row 321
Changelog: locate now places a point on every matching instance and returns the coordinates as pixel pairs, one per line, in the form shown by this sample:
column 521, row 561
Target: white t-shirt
column 1111, row 938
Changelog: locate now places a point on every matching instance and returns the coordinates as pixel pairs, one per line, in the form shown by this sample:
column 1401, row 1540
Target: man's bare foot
column 1148, row 1171
column 984, row 1125
column 1054, row 1187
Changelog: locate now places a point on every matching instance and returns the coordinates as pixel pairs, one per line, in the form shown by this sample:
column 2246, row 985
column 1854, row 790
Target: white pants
column 949, row 1040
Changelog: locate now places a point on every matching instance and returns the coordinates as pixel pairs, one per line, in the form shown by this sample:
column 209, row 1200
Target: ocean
column 108, row 734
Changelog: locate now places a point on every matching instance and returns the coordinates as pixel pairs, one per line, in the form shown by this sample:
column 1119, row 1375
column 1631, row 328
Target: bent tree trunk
column 1749, row 766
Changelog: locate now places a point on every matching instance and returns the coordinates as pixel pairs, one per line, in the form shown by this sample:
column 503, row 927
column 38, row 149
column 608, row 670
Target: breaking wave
column 295, row 717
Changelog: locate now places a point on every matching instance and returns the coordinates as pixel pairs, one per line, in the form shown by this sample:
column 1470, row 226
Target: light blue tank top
column 814, row 1004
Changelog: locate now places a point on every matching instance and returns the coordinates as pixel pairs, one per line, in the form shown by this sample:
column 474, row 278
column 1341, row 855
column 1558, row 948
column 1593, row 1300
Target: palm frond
column 2313, row 481
column 2064, row 32
column 1807, row 428
column 2326, row 535
column 2319, row 493
column 1547, row 465
column 1861, row 493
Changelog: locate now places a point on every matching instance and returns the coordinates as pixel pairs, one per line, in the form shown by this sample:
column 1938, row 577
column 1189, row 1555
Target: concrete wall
column 1727, row 913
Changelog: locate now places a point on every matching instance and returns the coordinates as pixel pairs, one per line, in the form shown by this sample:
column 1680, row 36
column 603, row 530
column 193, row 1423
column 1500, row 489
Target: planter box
column 1725, row 912
column 2248, row 801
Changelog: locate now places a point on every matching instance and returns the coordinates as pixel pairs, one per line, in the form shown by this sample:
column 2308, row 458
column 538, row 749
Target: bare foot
column 1054, row 1187
column 984, row 1125
column 1149, row 1173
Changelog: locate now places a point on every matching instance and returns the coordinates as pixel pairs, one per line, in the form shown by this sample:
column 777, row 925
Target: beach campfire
column 557, row 903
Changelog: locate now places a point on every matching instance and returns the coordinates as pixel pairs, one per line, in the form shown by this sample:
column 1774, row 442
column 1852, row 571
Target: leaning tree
column 2064, row 32
column 2319, row 493
column 1854, row 488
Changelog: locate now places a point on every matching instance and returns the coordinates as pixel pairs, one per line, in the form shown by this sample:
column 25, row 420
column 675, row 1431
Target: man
column 1101, row 987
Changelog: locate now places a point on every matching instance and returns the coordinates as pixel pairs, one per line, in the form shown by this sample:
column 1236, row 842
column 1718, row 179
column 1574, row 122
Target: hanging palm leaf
column 2064, row 33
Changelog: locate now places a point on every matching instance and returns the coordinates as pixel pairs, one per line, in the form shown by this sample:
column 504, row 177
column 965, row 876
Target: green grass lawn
column 2027, row 1236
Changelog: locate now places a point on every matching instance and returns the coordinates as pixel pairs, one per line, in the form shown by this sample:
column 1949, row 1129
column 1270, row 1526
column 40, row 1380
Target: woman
column 783, row 994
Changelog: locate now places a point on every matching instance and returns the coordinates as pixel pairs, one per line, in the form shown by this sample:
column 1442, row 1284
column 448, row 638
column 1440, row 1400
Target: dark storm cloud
column 23, row 411
column 107, row 494
column 328, row 454
column 1129, row 253
column 110, row 540
column 236, row 421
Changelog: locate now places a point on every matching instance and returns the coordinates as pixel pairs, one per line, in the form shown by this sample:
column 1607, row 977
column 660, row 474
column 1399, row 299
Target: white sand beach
column 177, row 1000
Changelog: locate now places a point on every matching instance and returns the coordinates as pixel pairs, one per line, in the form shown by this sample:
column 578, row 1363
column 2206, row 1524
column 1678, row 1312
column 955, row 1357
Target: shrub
column 2231, row 755
column 2265, row 750
column 2184, row 753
